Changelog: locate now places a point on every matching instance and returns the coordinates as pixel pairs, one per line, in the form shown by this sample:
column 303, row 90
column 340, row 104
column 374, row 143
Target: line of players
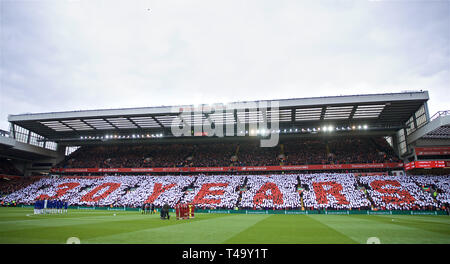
column 184, row 211
column 50, row 207
column 148, row 208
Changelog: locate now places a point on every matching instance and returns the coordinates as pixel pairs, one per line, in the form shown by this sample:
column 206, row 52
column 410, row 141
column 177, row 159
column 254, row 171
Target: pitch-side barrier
column 286, row 212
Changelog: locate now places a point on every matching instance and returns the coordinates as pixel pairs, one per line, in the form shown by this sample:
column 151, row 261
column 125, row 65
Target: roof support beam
column 84, row 122
column 134, row 123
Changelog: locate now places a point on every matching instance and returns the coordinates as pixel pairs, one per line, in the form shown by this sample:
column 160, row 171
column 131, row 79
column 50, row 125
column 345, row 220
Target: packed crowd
column 11, row 184
column 335, row 191
column 319, row 191
column 436, row 187
column 128, row 156
column 271, row 192
column 214, row 191
column 212, row 155
column 131, row 191
column 339, row 151
column 399, row 192
column 288, row 152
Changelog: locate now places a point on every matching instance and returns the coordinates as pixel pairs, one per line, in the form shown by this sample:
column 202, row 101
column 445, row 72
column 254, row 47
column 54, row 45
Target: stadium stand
column 398, row 192
column 338, row 191
column 296, row 152
column 274, row 191
column 206, row 190
column 320, row 191
column 10, row 185
column 326, row 149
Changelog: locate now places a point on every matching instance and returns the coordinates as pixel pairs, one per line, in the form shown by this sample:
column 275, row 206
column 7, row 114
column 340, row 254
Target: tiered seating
column 104, row 191
column 214, row 191
column 440, row 184
column 321, row 191
column 14, row 184
column 332, row 191
column 397, row 193
column 155, row 190
column 271, row 192
column 297, row 152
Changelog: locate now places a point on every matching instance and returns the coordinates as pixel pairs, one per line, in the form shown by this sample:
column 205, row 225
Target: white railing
column 439, row 114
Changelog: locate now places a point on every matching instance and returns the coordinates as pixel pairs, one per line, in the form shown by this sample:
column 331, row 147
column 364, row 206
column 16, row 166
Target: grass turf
column 20, row 225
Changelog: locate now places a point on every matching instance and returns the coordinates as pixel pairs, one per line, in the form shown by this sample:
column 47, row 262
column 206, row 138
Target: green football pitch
column 20, row 225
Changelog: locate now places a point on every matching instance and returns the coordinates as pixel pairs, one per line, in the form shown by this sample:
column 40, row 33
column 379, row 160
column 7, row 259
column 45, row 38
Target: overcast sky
column 91, row 54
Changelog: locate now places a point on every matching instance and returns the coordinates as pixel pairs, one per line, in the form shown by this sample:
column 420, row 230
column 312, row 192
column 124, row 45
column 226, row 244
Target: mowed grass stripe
column 393, row 229
column 214, row 229
column 73, row 218
column 133, row 227
column 58, row 230
column 290, row 229
column 438, row 224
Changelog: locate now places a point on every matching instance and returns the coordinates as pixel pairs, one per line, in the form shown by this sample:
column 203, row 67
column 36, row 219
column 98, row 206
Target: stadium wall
column 286, row 212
